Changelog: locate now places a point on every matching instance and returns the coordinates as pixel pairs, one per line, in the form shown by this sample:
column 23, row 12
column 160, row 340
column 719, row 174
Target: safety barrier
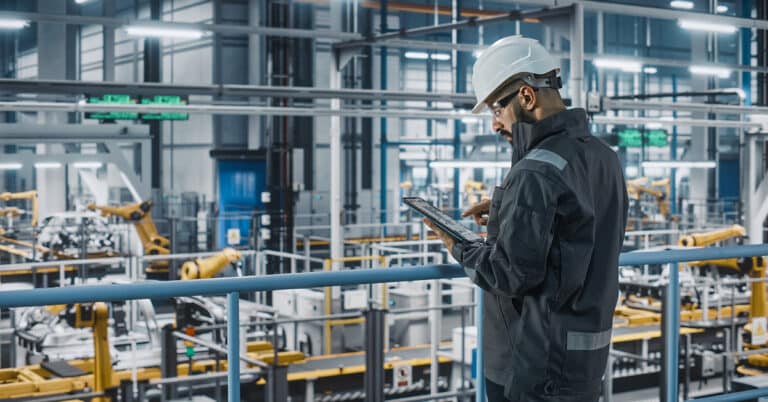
column 232, row 287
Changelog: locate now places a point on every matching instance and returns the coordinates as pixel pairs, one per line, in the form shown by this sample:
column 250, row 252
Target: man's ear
column 527, row 98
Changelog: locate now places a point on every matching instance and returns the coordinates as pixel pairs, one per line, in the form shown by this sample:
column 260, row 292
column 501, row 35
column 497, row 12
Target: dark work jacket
column 555, row 231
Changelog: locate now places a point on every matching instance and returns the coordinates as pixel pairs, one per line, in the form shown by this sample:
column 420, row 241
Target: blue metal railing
column 232, row 287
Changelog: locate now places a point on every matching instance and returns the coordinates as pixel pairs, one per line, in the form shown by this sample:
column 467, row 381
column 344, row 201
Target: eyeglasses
column 500, row 104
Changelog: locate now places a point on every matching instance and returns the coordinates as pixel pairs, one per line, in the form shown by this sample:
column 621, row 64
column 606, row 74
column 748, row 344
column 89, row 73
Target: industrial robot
column 140, row 214
column 755, row 267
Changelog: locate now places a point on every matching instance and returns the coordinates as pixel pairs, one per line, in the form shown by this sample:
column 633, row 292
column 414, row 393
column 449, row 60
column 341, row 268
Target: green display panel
column 111, row 100
column 631, row 138
column 120, row 99
column 164, row 100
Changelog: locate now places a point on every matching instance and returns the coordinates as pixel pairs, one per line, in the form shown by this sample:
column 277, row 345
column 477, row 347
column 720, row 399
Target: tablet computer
column 441, row 220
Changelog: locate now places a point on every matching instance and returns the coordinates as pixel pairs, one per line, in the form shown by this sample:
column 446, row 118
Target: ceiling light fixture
column 469, row 164
column 705, row 26
column 47, row 165
column 720, row 72
column 680, row 164
column 685, row 5
column 722, row 9
column 424, row 56
column 163, row 31
column 650, row 70
column 87, row 165
column 630, row 66
column 10, row 166
column 11, row 23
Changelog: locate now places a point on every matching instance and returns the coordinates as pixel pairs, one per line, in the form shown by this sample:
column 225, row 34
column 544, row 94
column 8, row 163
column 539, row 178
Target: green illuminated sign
column 632, row 138
column 164, row 100
column 120, row 99
column 111, row 100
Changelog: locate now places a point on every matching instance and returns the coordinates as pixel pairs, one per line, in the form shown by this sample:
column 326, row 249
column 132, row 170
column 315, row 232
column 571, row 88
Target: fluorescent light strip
column 685, row 5
column 424, row 56
column 706, row 26
column 47, row 165
column 470, row 164
column 630, row 66
column 720, row 72
column 87, row 165
column 10, row 166
column 159, row 31
column 650, row 70
column 680, row 164
column 7, row 23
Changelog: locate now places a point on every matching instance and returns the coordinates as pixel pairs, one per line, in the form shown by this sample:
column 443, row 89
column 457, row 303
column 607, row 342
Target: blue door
column 240, row 186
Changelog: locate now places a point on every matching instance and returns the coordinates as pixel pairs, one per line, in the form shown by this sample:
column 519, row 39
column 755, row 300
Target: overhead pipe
column 333, row 111
column 472, row 22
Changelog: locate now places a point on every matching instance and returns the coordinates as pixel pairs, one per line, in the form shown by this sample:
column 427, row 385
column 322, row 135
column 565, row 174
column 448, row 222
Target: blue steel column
column 383, row 122
column 233, row 346
column 746, row 52
column 672, row 326
column 480, row 377
column 673, row 154
column 461, row 87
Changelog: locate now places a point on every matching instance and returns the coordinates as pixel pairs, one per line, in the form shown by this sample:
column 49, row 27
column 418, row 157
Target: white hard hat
column 509, row 57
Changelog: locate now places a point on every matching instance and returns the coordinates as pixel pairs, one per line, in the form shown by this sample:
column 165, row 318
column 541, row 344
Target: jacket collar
column 572, row 121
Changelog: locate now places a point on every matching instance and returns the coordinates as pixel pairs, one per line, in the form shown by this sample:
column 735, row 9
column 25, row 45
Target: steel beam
column 611, row 104
column 17, row 86
column 514, row 15
column 228, row 29
column 299, row 111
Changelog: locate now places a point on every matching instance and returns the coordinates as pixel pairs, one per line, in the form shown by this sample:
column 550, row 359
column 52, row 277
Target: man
column 549, row 265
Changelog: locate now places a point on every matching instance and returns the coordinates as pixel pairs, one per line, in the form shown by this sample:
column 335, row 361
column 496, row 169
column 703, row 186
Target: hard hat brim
column 481, row 106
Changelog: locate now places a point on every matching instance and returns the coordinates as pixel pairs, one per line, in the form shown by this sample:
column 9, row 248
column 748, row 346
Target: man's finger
column 473, row 210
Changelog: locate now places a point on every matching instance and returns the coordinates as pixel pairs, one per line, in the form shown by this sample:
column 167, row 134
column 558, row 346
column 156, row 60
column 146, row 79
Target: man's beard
column 521, row 116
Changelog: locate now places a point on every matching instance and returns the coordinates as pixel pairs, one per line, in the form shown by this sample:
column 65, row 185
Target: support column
column 337, row 237
column 575, row 81
column 108, row 59
column 256, row 55
column 383, row 28
column 152, row 73
column 56, row 47
column 374, row 356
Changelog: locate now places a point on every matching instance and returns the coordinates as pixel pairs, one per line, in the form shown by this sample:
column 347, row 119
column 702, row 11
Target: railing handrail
column 218, row 286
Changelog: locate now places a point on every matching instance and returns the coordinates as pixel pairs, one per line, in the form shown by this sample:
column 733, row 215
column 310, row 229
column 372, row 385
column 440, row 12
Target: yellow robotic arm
column 209, row 267
column 141, row 216
column 752, row 266
column 95, row 316
column 715, row 236
column 26, row 195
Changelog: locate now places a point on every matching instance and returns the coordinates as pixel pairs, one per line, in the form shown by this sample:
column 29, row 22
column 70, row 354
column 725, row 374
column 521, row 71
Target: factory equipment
column 26, row 195
column 636, row 189
column 140, row 214
column 202, row 268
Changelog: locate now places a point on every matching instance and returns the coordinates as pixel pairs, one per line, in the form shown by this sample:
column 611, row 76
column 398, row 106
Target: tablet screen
column 442, row 220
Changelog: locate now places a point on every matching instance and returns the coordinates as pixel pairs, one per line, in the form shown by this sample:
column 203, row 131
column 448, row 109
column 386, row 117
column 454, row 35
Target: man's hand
column 479, row 212
column 445, row 237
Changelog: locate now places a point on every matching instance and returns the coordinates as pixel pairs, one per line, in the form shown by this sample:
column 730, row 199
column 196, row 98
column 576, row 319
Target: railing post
column 233, row 345
column 374, row 356
column 480, row 371
column 670, row 319
column 169, row 363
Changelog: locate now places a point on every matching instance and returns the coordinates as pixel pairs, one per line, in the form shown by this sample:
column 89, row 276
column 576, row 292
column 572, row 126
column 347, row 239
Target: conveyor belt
column 630, row 334
column 354, row 363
